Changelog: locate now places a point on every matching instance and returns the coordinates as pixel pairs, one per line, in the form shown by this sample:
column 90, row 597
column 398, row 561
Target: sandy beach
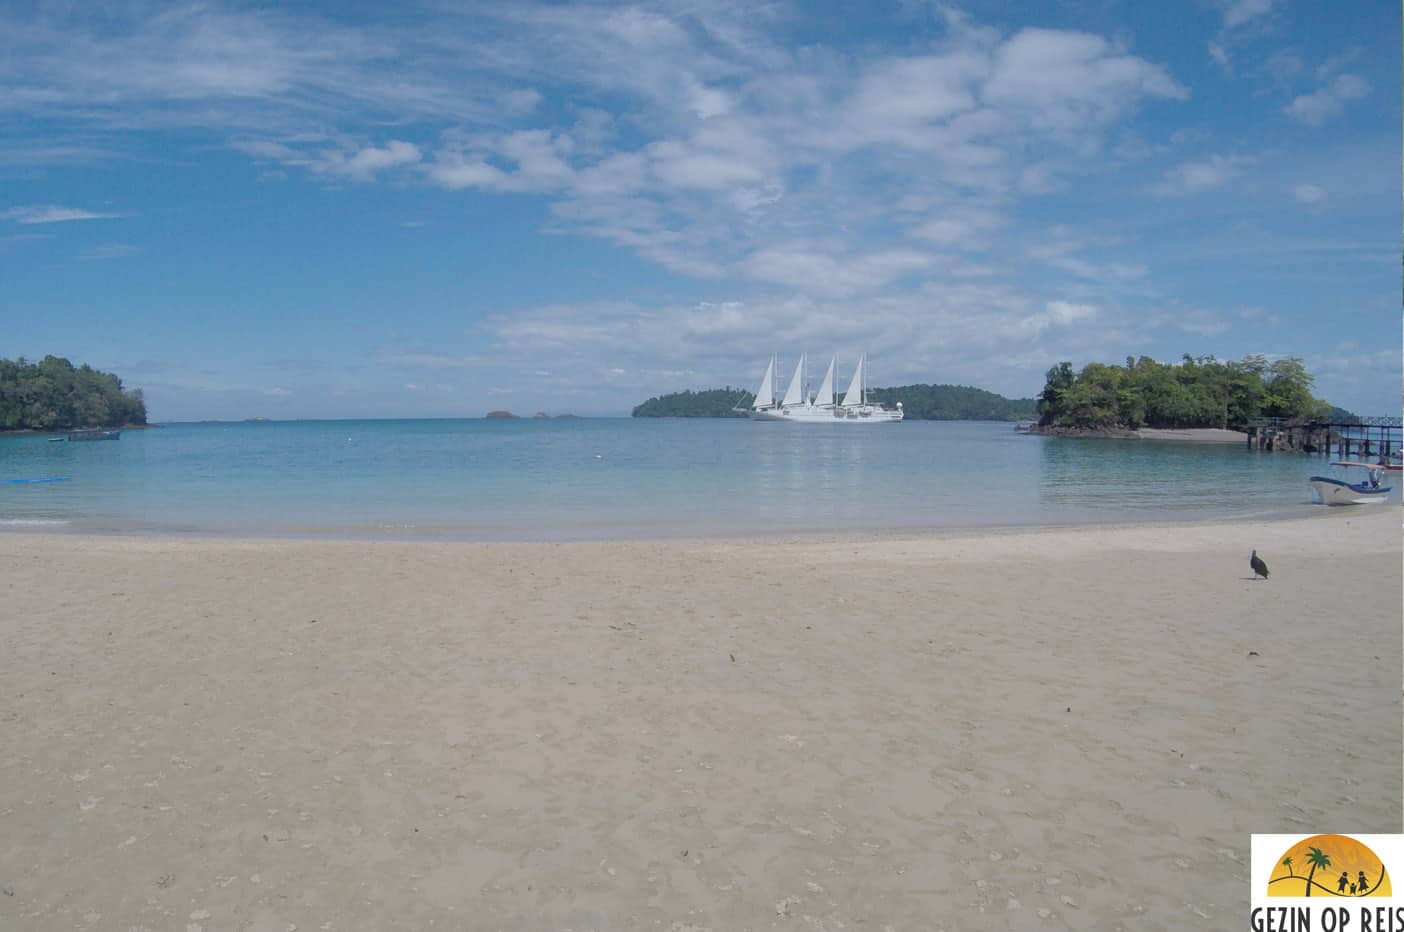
column 1061, row 729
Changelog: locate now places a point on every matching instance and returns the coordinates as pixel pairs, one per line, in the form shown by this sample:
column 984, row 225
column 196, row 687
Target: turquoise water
column 603, row 478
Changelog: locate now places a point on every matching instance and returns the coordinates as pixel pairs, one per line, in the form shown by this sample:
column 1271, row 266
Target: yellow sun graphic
column 1328, row 865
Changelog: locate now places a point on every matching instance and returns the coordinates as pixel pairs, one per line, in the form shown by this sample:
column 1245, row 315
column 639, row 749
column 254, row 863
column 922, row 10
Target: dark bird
column 1259, row 567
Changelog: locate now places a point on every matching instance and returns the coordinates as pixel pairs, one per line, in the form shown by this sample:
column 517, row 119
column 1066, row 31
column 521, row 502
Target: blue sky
column 436, row 209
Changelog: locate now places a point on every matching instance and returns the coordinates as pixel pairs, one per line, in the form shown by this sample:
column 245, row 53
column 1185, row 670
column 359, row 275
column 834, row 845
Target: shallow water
column 604, row 478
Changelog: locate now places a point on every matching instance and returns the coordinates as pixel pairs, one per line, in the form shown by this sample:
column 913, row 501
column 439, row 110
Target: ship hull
column 1336, row 492
column 804, row 414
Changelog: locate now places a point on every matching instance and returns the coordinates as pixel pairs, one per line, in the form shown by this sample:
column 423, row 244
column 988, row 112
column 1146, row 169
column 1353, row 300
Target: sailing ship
column 797, row 406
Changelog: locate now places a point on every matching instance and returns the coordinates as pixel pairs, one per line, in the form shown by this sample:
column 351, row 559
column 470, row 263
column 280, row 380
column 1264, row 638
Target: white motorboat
column 1371, row 490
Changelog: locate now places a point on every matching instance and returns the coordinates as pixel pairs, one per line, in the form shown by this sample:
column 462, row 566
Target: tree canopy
column 54, row 395
column 716, row 402
column 920, row 402
column 953, row 403
column 1195, row 392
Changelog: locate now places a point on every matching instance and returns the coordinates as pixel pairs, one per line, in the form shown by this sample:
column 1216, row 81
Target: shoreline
column 1302, row 511
column 1211, row 435
column 33, row 431
column 1006, row 730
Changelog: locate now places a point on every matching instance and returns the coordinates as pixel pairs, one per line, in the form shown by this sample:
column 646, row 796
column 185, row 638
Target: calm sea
column 605, row 478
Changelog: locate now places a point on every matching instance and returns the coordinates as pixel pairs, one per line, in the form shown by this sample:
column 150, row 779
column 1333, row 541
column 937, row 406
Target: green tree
column 1287, row 863
column 1052, row 401
column 716, row 402
column 1288, row 389
column 54, row 395
column 1199, row 391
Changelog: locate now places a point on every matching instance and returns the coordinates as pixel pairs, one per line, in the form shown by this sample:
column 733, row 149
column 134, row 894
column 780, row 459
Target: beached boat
column 1339, row 491
column 798, row 407
column 85, row 435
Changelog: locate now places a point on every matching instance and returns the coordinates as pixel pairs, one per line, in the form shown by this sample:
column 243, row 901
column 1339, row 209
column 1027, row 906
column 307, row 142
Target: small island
column 1196, row 393
column 54, row 395
column 538, row 416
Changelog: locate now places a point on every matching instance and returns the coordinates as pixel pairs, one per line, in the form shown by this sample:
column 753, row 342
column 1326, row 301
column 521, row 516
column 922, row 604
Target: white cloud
column 528, row 160
column 818, row 269
column 1243, row 22
column 1329, row 101
column 393, row 356
column 1258, row 314
column 1309, row 194
column 1238, row 12
column 1203, row 323
column 1071, row 80
column 960, row 226
column 108, row 251
column 1203, row 175
column 1062, row 313
column 348, row 160
column 364, row 164
column 50, row 213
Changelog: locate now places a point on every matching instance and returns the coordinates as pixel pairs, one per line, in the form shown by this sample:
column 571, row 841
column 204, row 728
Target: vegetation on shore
column 954, row 403
column 715, row 402
column 920, row 402
column 53, row 394
column 1195, row 392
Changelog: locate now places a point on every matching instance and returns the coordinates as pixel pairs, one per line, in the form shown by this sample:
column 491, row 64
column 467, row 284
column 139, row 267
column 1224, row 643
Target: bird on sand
column 1259, row 567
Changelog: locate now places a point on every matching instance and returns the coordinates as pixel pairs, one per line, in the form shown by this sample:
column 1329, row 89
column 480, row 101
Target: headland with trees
column 1196, row 392
column 53, row 395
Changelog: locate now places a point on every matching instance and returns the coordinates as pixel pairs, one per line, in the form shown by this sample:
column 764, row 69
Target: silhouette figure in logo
column 1341, row 884
column 1364, row 884
column 1352, row 889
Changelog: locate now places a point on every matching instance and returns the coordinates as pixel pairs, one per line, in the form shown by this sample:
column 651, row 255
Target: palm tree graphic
column 1317, row 858
column 1287, row 863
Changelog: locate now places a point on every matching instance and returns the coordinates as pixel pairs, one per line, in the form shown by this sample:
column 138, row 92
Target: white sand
column 1060, row 729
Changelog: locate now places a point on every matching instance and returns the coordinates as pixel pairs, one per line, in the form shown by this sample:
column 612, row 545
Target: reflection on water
column 602, row 478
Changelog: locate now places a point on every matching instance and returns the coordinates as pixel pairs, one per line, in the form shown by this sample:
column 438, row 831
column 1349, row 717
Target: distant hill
column 955, row 403
column 716, row 402
column 921, row 402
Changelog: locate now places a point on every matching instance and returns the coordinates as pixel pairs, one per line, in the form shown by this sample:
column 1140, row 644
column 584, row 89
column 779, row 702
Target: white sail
column 825, row 398
column 854, row 396
column 795, row 393
column 765, row 395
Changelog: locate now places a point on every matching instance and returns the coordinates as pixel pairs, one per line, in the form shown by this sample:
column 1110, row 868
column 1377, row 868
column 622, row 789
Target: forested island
column 715, row 402
column 1198, row 391
column 53, row 394
column 920, row 402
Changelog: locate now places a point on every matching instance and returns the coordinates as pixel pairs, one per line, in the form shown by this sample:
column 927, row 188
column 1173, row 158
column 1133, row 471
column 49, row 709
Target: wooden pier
column 1359, row 436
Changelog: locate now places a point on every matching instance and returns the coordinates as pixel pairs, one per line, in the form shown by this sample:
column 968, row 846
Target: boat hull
column 805, row 414
column 1338, row 492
